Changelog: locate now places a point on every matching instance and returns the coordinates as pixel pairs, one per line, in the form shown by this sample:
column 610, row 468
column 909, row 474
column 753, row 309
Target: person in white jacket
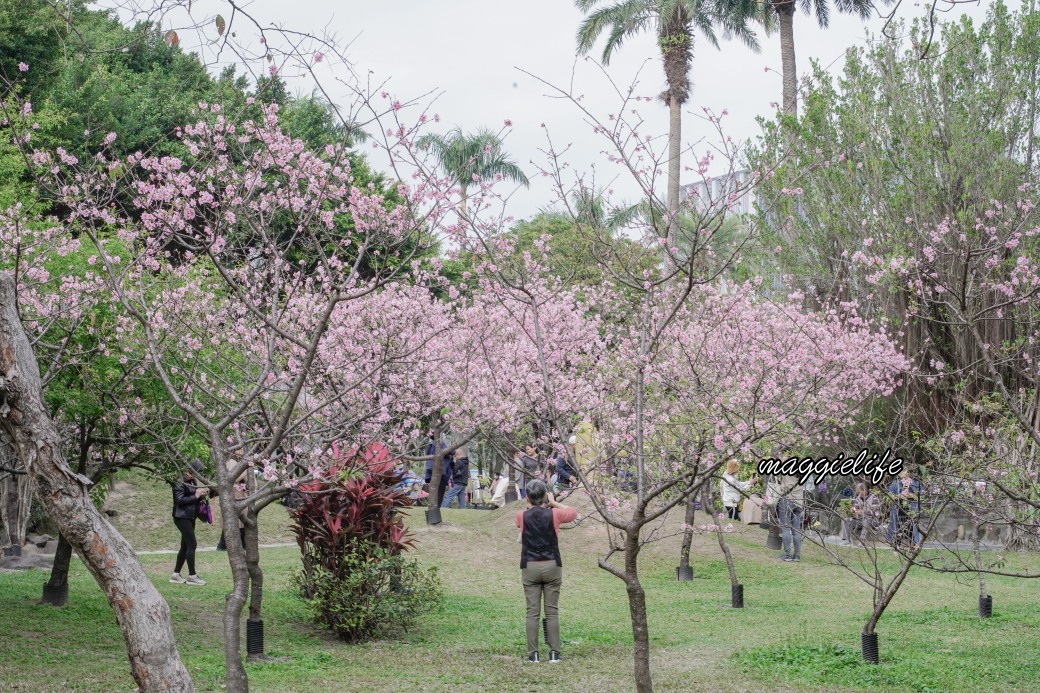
column 733, row 488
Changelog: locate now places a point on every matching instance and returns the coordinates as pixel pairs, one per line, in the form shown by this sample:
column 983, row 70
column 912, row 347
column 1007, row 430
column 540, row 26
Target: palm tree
column 468, row 159
column 674, row 22
column 785, row 10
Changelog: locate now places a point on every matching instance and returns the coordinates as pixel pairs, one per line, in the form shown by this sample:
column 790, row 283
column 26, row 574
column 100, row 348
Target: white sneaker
column 177, row 579
column 195, row 580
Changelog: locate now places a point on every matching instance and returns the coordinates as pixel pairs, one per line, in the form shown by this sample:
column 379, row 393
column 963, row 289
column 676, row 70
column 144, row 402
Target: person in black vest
column 541, row 568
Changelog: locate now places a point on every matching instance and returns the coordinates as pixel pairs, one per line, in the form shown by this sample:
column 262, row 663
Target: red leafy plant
column 352, row 538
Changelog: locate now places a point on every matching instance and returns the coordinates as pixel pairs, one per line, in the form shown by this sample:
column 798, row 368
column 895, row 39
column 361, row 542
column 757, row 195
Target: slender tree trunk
column 785, row 12
column 436, row 471
column 674, row 165
column 978, row 562
column 637, row 613
column 709, row 507
column 463, row 199
column 55, row 592
column 687, row 540
column 140, row 610
column 256, row 576
column 236, row 681
column 885, row 595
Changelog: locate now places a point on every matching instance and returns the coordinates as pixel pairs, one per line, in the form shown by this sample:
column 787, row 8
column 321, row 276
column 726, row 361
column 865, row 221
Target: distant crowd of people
column 784, row 499
column 555, row 471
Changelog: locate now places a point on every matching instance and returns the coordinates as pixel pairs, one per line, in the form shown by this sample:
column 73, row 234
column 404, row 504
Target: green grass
column 800, row 630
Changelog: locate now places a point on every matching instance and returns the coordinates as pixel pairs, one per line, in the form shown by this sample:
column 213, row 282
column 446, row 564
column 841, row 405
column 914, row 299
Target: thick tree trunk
column 140, row 610
column 687, row 540
column 674, row 165
column 637, row 613
column 785, row 12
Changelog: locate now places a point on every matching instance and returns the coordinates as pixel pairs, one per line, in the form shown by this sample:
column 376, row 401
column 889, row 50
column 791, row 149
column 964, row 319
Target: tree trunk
column 436, row 471
column 235, row 672
column 687, row 540
column 463, row 199
column 709, row 507
column 256, row 582
column 884, row 596
column 637, row 613
column 674, row 166
column 16, row 492
column 56, row 591
column 140, row 610
column 785, row 14
column 978, row 561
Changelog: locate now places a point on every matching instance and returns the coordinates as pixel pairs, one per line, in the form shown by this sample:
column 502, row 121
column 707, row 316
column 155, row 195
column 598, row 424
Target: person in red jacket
column 541, row 567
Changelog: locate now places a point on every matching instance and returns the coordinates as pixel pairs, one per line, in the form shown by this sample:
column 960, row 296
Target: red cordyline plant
column 353, row 509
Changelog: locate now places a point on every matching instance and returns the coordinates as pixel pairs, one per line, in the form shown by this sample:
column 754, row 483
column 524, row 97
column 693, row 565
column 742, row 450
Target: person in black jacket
column 459, row 479
column 186, row 497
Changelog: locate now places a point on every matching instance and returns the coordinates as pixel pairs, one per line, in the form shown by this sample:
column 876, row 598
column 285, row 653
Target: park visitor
column 528, row 462
column 864, row 515
column 540, row 564
column 790, row 508
column 186, row 499
column 906, row 506
column 732, row 489
column 459, row 479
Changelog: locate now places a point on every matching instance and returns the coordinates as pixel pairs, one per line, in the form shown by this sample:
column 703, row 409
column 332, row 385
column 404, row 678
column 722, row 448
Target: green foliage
column 373, row 595
column 465, row 156
column 894, row 138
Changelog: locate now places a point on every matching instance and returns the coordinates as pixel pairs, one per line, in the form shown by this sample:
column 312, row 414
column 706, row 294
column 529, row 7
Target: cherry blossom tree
column 678, row 369
column 233, row 276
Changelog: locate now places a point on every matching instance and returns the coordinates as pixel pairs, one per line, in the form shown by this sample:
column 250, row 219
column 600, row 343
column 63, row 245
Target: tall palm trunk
column 463, row 198
column 676, row 43
column 674, row 150
column 785, row 10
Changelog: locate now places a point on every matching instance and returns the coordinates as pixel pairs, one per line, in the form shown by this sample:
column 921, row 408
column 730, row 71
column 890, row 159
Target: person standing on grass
column 186, row 499
column 459, row 479
column 541, row 567
column 790, row 507
column 906, row 506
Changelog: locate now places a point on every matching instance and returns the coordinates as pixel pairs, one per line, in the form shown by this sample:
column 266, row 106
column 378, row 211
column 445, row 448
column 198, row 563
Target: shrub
column 352, row 538
column 374, row 594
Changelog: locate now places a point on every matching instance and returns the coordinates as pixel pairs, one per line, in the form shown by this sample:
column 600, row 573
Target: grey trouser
column 790, row 523
column 542, row 578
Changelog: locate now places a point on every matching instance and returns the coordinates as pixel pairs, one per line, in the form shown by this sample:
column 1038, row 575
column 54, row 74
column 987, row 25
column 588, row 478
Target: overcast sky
column 470, row 51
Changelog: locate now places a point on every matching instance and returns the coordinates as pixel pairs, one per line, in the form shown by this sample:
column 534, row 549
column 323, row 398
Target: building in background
column 714, row 191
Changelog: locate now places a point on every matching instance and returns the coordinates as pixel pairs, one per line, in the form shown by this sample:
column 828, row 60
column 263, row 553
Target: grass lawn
column 799, row 630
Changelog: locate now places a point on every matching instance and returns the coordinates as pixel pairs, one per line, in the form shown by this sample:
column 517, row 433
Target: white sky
column 470, row 50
